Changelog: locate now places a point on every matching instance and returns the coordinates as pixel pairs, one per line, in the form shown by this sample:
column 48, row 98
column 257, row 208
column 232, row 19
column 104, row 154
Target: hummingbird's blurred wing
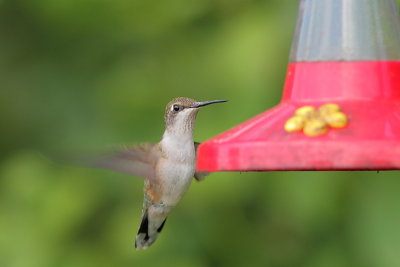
column 199, row 176
column 139, row 160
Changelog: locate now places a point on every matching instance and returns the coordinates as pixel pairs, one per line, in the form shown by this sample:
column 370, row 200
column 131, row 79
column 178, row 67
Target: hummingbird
column 168, row 166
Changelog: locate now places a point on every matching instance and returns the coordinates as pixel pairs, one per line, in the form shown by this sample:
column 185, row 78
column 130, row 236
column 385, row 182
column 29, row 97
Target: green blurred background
column 90, row 74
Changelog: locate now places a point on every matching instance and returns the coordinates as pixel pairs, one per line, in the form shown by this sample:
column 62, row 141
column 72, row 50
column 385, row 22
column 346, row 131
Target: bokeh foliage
column 88, row 74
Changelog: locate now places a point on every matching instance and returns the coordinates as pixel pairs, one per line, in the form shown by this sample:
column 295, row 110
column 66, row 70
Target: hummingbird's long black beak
column 205, row 103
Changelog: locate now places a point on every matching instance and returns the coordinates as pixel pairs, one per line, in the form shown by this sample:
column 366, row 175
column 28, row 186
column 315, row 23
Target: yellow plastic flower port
column 315, row 127
column 328, row 109
column 306, row 111
column 336, row 119
column 315, row 122
column 294, row 124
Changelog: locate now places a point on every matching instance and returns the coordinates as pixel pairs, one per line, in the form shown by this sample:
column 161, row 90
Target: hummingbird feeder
column 346, row 56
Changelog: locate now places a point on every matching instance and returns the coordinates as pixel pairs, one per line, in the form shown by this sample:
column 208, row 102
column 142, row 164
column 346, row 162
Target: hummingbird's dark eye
column 176, row 107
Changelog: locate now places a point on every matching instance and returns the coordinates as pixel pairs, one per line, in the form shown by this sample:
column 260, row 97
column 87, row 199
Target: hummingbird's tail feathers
column 148, row 231
column 143, row 230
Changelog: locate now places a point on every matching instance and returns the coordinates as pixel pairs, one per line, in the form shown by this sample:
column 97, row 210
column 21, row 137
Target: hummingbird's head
column 181, row 112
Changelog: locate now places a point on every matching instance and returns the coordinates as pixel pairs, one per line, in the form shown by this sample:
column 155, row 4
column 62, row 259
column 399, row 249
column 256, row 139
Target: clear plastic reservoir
column 347, row 30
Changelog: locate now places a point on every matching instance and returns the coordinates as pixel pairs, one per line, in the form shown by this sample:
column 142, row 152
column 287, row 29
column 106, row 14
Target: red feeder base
column 367, row 91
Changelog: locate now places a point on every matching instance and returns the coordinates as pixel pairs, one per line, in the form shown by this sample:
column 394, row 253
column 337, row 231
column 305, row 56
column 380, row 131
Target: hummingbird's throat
column 178, row 147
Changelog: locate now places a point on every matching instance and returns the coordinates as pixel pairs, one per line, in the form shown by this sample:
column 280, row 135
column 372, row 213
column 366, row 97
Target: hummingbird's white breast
column 175, row 171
